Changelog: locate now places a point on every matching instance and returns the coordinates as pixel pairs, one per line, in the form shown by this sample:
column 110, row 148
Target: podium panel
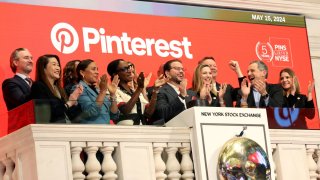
column 212, row 127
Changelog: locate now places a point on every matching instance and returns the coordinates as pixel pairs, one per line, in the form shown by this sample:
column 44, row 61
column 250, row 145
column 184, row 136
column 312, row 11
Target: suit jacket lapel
column 170, row 90
column 23, row 83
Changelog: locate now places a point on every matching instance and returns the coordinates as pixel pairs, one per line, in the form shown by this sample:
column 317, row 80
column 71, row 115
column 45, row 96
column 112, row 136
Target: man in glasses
column 173, row 96
column 16, row 90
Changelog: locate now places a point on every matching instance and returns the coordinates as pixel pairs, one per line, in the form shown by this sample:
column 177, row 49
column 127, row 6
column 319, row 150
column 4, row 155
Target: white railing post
column 272, row 160
column 311, row 163
column 109, row 166
column 159, row 164
column 77, row 164
column 173, row 166
column 9, row 169
column 186, row 162
column 93, row 166
column 12, row 157
column 2, row 169
column 318, row 161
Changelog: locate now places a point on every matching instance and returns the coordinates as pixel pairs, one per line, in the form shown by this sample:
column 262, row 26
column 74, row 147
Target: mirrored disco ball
column 243, row 159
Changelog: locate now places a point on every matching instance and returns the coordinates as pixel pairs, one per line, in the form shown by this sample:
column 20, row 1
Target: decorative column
column 93, row 166
column 159, row 164
column 318, row 161
column 272, row 161
column 109, row 166
column 77, row 163
column 2, row 170
column 12, row 157
column 9, row 169
column 311, row 163
column 173, row 166
column 186, row 162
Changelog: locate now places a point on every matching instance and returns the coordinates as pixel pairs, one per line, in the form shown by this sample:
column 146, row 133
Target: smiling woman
column 202, row 85
column 97, row 107
column 294, row 99
column 48, row 92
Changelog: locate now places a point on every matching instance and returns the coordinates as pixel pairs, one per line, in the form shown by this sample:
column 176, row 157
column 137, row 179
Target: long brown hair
column 70, row 73
column 42, row 63
column 292, row 74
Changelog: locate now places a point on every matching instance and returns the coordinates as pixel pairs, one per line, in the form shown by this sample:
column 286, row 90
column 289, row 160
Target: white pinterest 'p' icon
column 64, row 38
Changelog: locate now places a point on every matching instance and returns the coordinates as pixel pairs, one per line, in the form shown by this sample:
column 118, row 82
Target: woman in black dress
column 294, row 99
column 48, row 92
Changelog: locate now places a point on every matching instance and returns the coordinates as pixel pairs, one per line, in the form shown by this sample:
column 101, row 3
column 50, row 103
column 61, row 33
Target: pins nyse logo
column 64, row 38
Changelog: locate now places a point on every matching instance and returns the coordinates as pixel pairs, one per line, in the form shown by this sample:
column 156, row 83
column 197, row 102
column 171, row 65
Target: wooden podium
column 213, row 126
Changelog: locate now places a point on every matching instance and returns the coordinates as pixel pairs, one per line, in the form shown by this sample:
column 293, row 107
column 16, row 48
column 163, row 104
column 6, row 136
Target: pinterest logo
column 64, row 38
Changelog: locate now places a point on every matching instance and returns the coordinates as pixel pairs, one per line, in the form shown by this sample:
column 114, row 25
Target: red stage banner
column 150, row 40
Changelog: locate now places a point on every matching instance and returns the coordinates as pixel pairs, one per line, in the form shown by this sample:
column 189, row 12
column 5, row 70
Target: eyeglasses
column 125, row 69
column 178, row 68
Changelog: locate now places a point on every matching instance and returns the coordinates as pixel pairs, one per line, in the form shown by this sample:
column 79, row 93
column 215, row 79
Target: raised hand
column 103, row 83
column 234, row 66
column 310, row 86
column 147, row 80
column 183, row 87
column 293, row 88
column 260, row 86
column 222, row 90
column 203, row 92
column 140, row 80
column 75, row 94
column 310, row 89
column 161, row 80
column 208, row 94
column 245, row 88
column 113, row 86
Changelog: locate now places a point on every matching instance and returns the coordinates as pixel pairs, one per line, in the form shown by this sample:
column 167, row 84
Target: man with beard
column 16, row 90
column 230, row 94
column 256, row 92
column 173, row 96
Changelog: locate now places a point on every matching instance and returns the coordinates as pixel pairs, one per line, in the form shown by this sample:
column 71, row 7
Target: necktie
column 29, row 80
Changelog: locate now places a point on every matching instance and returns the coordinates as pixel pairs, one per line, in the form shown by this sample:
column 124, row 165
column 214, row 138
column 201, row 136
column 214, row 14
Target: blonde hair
column 197, row 82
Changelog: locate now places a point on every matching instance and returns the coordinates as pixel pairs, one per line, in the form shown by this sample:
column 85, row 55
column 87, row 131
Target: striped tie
column 29, row 80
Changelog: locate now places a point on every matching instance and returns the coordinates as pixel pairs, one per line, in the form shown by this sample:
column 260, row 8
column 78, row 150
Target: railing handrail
column 93, row 133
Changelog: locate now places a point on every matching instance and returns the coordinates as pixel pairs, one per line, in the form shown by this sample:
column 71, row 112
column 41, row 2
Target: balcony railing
column 70, row 152
column 45, row 152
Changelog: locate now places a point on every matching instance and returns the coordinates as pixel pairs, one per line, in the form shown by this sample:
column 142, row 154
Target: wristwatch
column 265, row 96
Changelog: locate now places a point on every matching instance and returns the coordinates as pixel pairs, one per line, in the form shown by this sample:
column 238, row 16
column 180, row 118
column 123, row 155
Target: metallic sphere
column 243, row 159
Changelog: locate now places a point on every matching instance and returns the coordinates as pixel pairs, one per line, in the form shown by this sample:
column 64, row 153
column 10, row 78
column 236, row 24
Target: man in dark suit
column 255, row 91
column 230, row 94
column 16, row 90
column 173, row 96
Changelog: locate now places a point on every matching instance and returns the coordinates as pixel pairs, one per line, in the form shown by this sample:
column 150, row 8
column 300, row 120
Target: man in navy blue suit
column 16, row 90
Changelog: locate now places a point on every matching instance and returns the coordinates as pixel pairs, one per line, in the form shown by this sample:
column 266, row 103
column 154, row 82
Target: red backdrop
column 30, row 26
